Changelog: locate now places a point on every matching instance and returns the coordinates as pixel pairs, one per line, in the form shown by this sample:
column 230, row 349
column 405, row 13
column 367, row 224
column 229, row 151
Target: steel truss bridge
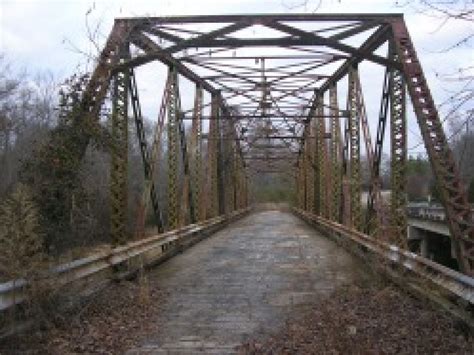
column 287, row 101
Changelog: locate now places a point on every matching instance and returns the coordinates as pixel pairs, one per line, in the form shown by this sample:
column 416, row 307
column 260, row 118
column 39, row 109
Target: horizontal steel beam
column 263, row 17
column 265, row 57
column 273, row 117
column 331, row 43
column 370, row 45
column 269, row 158
column 300, row 77
column 156, row 53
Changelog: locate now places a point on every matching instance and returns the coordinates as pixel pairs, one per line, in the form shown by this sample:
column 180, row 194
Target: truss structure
column 286, row 98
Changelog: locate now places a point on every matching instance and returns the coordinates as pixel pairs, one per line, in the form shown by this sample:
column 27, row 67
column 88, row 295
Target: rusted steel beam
column 354, row 152
column 213, row 147
column 448, row 181
column 308, row 152
column 355, row 30
column 398, row 167
column 173, row 150
column 301, row 77
column 324, row 188
column 370, row 45
column 275, row 117
column 336, row 156
column 345, row 204
column 264, row 57
column 162, row 34
column 99, row 82
column 314, row 39
column 119, row 154
column 263, row 17
column 209, row 36
column 157, row 53
column 196, row 155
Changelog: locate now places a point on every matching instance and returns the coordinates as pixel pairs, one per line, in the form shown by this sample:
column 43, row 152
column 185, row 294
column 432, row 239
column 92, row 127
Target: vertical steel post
column 196, row 157
column 315, row 121
column 119, row 154
column 173, row 149
column 302, row 185
column 345, row 201
column 221, row 167
column 241, row 191
column 234, row 176
column 354, row 151
column 213, row 141
column 336, row 155
column 328, row 145
column 309, row 171
column 398, row 142
column 322, row 156
column 228, row 165
column 238, row 182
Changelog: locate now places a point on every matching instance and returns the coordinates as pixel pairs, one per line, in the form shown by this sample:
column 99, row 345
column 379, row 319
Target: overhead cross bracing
column 276, row 87
column 286, row 96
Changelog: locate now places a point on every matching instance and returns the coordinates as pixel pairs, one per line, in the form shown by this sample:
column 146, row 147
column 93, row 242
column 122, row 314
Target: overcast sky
column 45, row 35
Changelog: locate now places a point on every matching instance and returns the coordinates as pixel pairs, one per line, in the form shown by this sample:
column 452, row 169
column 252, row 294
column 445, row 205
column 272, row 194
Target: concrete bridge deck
column 247, row 279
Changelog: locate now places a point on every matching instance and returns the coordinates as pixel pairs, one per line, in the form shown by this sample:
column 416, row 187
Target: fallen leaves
column 115, row 320
column 367, row 321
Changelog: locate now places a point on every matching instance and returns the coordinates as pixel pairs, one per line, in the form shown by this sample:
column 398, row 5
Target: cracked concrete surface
column 245, row 280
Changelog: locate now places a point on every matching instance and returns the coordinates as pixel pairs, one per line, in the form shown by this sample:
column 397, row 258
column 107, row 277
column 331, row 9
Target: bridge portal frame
column 147, row 35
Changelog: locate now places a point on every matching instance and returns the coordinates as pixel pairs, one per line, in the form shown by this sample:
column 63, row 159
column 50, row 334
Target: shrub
column 21, row 242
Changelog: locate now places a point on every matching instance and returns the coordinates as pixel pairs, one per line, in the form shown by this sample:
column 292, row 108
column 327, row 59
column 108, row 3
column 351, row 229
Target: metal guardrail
column 84, row 276
column 432, row 213
column 428, row 212
column 447, row 279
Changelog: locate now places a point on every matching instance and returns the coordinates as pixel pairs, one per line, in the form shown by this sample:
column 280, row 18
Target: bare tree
column 26, row 114
column 458, row 105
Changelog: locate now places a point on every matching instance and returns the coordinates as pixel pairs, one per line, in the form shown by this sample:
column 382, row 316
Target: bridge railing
column 428, row 277
column 82, row 277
